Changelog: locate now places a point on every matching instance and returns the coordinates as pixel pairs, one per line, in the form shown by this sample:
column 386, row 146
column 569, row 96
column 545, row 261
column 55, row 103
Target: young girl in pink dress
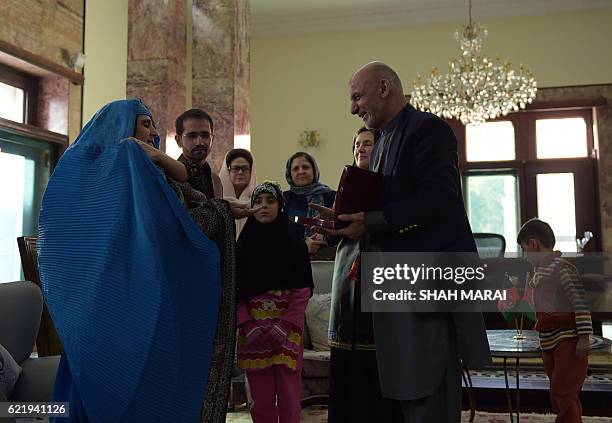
column 274, row 282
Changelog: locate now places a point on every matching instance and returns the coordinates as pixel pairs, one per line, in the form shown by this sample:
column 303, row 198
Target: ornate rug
column 318, row 414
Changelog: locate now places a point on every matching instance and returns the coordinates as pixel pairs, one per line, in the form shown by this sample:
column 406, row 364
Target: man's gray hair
column 387, row 73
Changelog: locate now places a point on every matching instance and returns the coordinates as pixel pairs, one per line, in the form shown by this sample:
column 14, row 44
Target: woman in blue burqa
column 137, row 271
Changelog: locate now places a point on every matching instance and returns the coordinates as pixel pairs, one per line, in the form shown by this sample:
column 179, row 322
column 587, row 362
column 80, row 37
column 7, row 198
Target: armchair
column 20, row 310
column 490, row 245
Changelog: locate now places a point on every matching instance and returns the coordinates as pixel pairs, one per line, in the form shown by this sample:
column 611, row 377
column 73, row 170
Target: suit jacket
column 422, row 210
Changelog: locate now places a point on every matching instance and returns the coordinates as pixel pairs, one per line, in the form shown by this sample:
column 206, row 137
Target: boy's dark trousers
column 566, row 372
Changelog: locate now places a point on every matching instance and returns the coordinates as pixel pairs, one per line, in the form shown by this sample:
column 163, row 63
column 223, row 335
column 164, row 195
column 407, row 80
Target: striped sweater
column 560, row 304
column 264, row 311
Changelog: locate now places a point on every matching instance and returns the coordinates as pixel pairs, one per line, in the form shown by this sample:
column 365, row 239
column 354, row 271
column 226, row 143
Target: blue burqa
column 132, row 283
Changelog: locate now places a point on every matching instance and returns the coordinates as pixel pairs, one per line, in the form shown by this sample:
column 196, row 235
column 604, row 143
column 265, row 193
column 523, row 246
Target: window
column 531, row 164
column 492, row 203
column 27, row 156
column 558, row 207
column 559, row 138
column 18, row 95
column 12, row 199
column 12, row 103
column 26, row 163
column 489, row 141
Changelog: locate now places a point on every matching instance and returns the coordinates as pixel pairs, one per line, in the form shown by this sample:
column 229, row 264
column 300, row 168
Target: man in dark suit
column 419, row 355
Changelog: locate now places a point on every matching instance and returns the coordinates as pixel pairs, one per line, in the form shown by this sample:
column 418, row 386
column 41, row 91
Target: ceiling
column 290, row 17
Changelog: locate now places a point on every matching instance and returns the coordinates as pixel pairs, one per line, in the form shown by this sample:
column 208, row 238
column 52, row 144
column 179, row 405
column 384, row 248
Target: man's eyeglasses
column 239, row 169
column 206, row 136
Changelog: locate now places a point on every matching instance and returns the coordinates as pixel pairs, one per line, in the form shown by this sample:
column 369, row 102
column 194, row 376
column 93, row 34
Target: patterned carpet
column 535, row 378
column 317, row 414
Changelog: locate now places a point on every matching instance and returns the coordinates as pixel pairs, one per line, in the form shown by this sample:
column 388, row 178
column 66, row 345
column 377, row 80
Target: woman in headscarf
column 134, row 284
column 354, row 388
column 238, row 179
column 350, row 329
column 302, row 175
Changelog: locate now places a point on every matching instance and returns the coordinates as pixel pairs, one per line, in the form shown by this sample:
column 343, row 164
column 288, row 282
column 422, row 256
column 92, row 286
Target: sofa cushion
column 313, row 355
column 9, row 372
column 37, row 379
column 316, row 364
column 322, row 275
column 21, row 305
column 317, row 320
column 307, row 341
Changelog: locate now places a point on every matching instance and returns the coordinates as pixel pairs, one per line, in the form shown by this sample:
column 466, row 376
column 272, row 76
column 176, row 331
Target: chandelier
column 475, row 88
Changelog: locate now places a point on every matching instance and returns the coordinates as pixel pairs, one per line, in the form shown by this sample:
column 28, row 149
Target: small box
column 359, row 190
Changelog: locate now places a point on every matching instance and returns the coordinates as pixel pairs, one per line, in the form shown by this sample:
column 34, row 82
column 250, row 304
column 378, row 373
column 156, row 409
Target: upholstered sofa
column 21, row 305
column 315, row 370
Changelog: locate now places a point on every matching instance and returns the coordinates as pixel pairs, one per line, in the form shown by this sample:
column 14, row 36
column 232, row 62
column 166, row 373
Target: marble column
column 221, row 69
column 156, row 67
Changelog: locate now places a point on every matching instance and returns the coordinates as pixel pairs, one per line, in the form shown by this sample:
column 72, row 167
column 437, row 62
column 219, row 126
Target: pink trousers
column 276, row 393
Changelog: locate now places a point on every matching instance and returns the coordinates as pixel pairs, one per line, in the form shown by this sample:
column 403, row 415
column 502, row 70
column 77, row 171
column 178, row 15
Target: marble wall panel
column 44, row 28
column 213, row 38
column 75, row 111
column 75, row 6
column 157, row 51
column 53, row 104
column 242, row 74
column 221, row 48
column 604, row 129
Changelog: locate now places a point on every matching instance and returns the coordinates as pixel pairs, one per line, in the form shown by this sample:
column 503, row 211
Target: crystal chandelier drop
column 475, row 88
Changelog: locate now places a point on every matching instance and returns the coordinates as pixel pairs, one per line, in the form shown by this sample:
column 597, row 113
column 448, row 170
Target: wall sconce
column 310, row 138
column 76, row 62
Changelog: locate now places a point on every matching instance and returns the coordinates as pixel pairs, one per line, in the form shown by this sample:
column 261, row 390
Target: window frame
column 527, row 166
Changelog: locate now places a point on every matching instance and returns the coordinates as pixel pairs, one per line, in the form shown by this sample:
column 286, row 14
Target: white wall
column 106, row 34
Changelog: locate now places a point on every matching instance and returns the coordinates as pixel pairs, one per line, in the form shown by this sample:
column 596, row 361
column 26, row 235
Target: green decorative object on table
column 516, row 308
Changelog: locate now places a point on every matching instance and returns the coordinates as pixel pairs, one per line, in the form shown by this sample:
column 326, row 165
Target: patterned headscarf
column 270, row 187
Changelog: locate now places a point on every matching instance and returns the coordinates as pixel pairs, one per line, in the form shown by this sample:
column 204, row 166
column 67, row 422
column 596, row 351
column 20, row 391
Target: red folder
column 358, row 190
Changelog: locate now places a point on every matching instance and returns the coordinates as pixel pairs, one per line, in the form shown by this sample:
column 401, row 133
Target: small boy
column 564, row 334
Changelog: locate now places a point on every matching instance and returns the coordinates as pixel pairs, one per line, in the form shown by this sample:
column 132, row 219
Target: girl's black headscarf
column 271, row 255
